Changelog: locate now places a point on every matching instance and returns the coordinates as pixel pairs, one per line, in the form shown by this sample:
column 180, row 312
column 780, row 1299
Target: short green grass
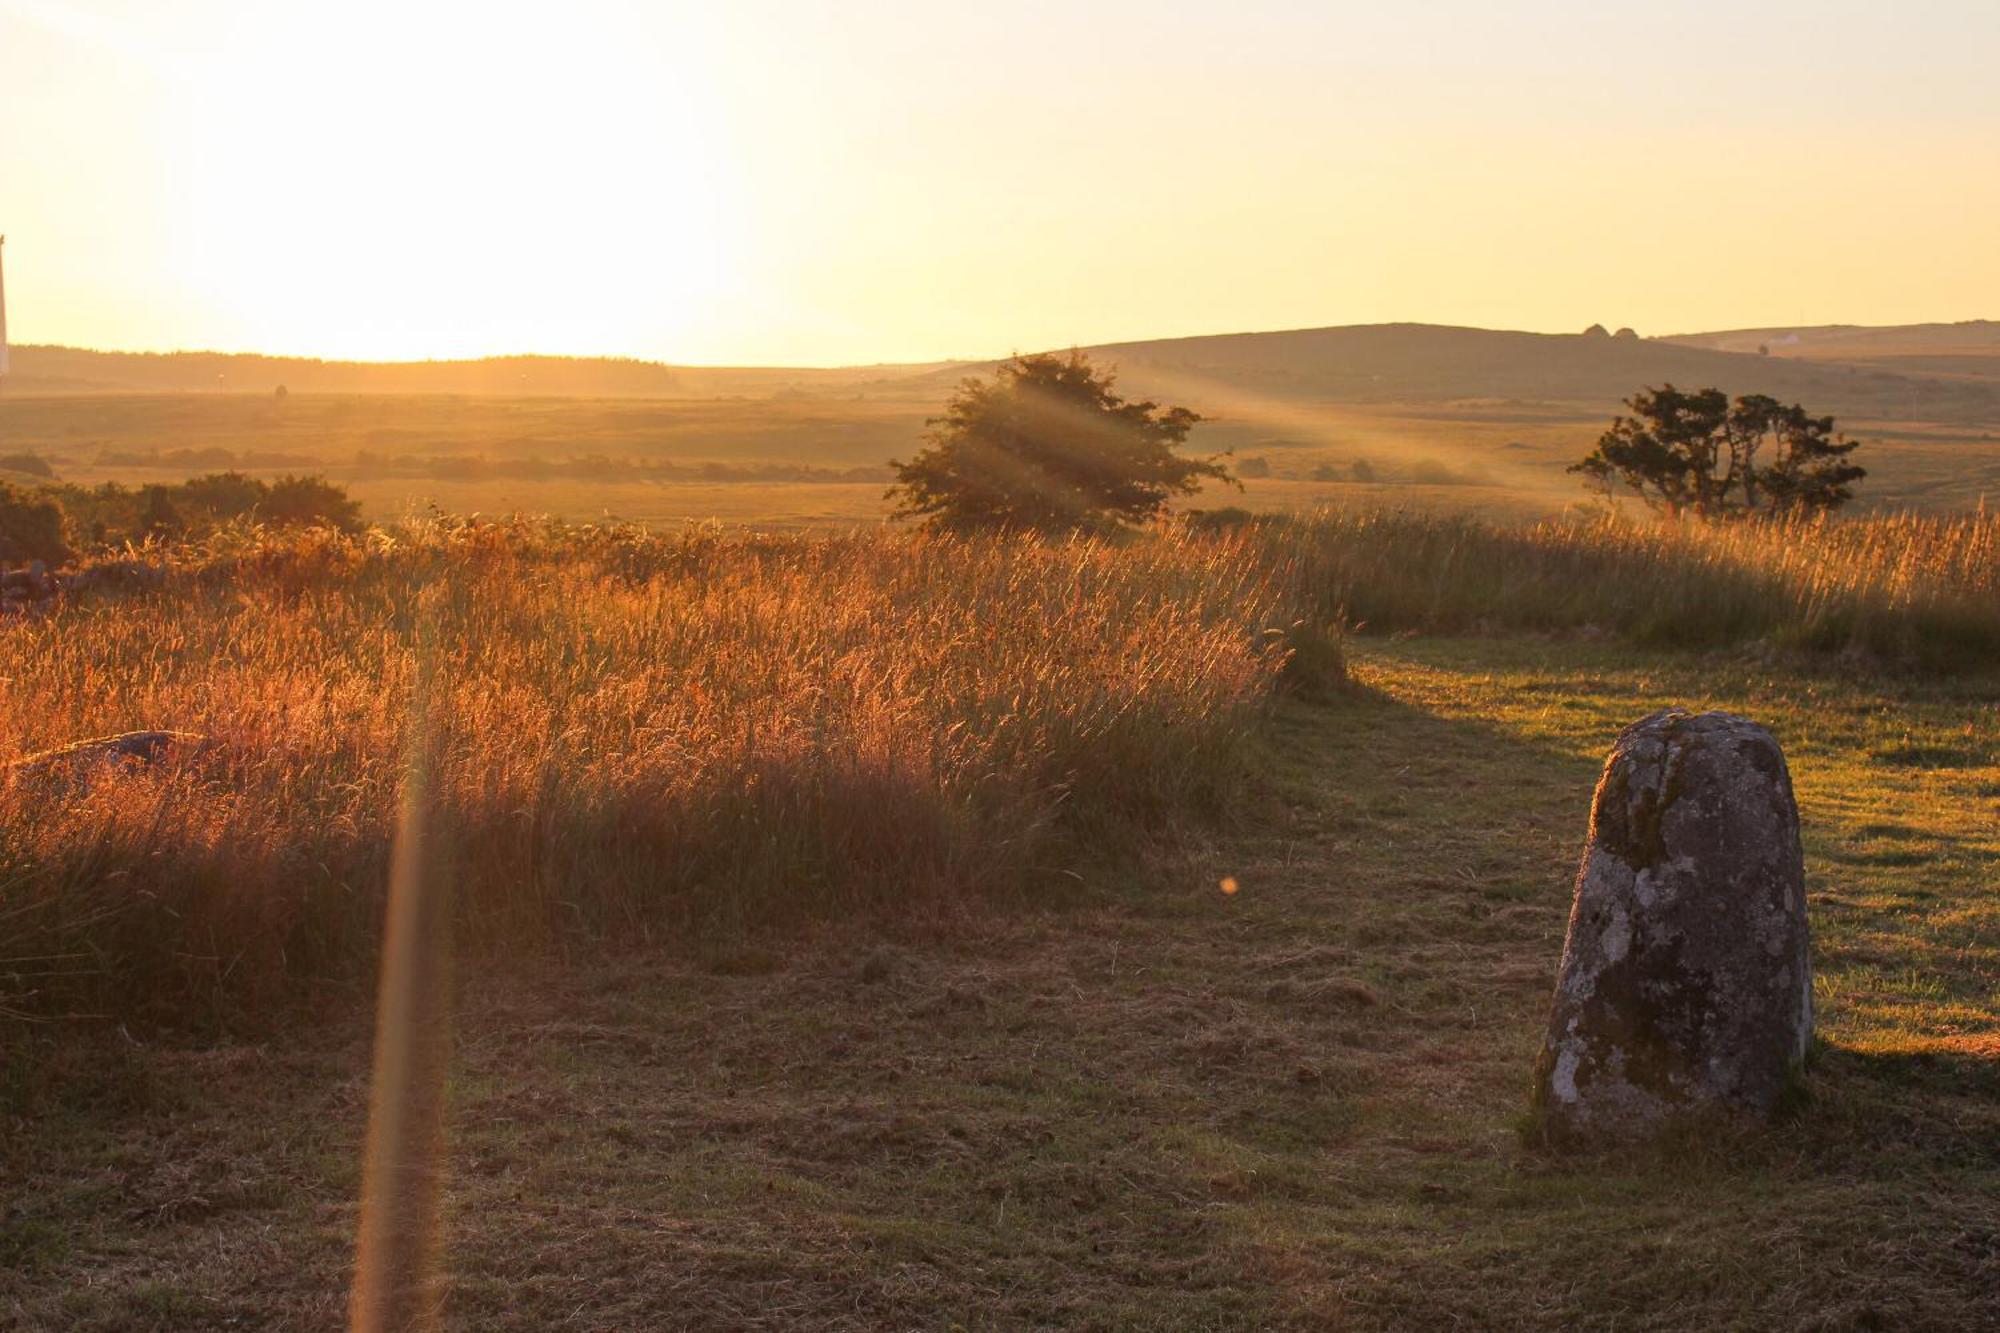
column 1152, row 1105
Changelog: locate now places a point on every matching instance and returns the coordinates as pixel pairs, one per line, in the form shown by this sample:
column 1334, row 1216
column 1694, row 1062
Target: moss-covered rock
column 1686, row 979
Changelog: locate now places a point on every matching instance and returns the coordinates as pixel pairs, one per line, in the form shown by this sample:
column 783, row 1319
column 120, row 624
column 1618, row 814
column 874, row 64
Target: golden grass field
column 705, row 733
column 826, row 932
column 713, row 667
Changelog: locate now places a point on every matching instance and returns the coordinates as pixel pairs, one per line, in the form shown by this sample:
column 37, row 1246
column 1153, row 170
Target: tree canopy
column 1700, row 453
column 1047, row 444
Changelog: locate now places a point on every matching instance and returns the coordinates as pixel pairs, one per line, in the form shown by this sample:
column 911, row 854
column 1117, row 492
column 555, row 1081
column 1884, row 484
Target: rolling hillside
column 1968, row 351
column 1465, row 417
column 73, row 370
column 1941, row 373
column 1429, row 363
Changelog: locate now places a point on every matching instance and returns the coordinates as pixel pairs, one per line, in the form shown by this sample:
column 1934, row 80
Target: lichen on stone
column 1686, row 979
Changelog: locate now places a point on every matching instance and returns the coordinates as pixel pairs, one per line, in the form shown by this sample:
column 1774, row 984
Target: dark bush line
column 56, row 523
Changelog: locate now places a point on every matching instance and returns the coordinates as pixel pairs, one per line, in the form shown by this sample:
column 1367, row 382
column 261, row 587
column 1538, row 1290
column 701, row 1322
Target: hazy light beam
column 395, row 1278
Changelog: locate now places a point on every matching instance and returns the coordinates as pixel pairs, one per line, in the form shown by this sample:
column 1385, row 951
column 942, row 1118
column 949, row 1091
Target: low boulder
column 32, row 583
column 1686, row 982
column 118, row 575
column 31, row 591
column 131, row 747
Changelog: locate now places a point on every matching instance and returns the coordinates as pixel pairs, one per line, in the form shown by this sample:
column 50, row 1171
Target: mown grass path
column 1162, row 1107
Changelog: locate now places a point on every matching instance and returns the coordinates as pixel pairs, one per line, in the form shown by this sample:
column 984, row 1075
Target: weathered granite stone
column 131, row 747
column 1686, row 980
column 118, row 575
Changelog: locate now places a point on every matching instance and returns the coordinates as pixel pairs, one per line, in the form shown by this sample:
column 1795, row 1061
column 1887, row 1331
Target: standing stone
column 1686, row 978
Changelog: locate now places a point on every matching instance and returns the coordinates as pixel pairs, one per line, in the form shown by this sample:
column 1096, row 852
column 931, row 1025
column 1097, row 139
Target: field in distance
column 1429, row 416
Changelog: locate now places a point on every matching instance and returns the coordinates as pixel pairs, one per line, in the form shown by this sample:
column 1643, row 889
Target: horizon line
column 940, row 362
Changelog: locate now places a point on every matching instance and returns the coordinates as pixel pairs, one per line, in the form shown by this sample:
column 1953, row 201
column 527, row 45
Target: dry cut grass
column 624, row 734
column 1158, row 1107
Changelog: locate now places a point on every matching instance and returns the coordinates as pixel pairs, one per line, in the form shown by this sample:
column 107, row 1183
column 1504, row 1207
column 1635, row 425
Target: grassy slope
column 1168, row 1108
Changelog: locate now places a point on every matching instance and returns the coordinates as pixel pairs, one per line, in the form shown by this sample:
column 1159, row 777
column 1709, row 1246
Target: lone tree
column 1700, row 453
column 1047, row 445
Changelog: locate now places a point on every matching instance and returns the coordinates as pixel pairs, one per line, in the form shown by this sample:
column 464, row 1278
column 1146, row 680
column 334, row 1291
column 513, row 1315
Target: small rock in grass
column 131, row 747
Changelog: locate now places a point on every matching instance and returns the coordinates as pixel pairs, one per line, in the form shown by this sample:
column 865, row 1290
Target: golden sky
column 821, row 183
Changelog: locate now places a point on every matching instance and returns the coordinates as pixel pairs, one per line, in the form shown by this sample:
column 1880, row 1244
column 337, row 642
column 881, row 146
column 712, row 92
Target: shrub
column 31, row 465
column 310, row 501
column 1315, row 661
column 112, row 515
column 31, row 527
column 160, row 518
column 221, row 496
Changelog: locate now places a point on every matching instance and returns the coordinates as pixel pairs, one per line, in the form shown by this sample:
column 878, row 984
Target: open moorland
column 874, row 928
column 853, row 715
column 1387, row 414
column 890, row 930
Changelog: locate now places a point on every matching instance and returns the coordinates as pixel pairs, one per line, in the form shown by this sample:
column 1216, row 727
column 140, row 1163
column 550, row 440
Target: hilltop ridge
column 1932, row 372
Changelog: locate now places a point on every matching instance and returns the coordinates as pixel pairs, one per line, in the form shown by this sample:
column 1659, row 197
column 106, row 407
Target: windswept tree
column 1700, row 453
column 1047, row 445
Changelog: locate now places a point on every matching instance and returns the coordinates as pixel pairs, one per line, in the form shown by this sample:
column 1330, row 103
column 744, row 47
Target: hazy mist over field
column 852, row 665
column 1465, row 417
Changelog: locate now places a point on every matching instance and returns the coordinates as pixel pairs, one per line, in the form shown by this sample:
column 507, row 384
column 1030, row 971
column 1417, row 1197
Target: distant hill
column 1964, row 351
column 1431, row 363
column 1853, row 339
column 1422, row 364
column 1941, row 373
column 74, row 370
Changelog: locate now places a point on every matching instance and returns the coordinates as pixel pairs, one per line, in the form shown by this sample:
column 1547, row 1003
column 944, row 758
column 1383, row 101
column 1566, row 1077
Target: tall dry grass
column 625, row 735
column 1905, row 588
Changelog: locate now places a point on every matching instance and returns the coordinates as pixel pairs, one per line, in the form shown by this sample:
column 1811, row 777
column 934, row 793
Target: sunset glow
column 819, row 183
column 1158, row 664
